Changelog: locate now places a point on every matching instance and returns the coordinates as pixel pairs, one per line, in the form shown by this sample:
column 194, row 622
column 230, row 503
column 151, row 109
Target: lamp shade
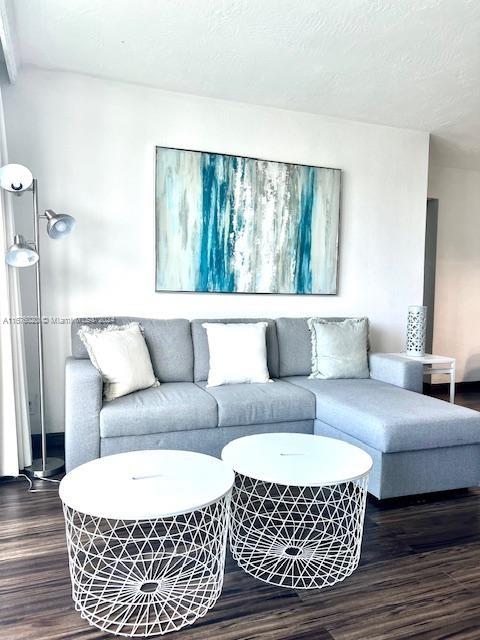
column 59, row 224
column 20, row 254
column 15, row 177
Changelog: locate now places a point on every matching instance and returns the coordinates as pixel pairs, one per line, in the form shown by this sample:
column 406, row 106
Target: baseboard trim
column 444, row 387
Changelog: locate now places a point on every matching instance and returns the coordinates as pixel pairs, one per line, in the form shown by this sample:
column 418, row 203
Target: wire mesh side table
column 297, row 509
column 147, row 546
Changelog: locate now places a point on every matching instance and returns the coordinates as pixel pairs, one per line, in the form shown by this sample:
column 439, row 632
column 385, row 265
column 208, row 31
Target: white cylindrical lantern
column 416, row 331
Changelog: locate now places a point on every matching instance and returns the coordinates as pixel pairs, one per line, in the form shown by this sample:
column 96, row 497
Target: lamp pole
column 43, row 467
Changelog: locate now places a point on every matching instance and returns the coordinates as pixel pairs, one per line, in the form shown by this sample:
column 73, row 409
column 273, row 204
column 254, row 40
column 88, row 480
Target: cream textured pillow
column 339, row 348
column 238, row 353
column 120, row 353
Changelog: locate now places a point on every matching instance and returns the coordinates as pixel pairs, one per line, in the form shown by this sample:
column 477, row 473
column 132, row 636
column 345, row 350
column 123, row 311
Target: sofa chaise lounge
column 418, row 444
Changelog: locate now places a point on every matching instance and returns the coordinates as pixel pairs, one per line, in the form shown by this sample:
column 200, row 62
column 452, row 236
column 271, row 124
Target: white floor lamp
column 17, row 179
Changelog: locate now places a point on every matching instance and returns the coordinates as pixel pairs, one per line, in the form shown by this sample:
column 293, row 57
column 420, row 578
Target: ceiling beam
column 7, row 41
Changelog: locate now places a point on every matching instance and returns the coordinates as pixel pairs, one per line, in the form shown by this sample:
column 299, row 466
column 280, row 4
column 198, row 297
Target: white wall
column 457, row 300
column 91, row 142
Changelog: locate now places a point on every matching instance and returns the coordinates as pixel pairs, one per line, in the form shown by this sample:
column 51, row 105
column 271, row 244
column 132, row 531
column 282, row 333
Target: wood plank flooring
column 419, row 578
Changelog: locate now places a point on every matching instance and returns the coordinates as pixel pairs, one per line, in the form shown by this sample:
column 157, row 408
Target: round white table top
column 296, row 459
column 143, row 485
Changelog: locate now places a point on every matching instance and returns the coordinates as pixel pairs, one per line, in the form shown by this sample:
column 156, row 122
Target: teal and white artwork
column 240, row 225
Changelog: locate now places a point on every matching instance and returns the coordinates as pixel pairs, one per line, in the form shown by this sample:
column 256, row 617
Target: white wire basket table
column 297, row 508
column 146, row 536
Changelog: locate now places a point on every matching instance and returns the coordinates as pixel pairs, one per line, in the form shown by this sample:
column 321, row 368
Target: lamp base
column 53, row 466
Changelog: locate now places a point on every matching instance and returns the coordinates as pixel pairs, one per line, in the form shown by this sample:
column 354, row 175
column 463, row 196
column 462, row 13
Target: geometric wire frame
column 140, row 578
column 297, row 537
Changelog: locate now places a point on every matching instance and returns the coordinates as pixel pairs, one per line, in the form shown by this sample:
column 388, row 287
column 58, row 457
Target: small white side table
column 433, row 365
column 297, row 509
column 146, row 536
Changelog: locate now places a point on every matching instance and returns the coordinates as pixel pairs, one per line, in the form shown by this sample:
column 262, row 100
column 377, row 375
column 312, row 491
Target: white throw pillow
column 121, row 355
column 238, row 353
column 339, row 348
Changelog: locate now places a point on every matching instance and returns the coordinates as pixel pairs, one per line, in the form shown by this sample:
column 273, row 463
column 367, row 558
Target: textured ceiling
column 405, row 63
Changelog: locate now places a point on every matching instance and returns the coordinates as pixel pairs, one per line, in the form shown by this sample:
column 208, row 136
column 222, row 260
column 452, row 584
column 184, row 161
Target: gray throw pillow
column 339, row 348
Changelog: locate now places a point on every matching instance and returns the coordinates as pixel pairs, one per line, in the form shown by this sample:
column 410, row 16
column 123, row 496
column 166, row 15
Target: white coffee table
column 297, row 509
column 146, row 535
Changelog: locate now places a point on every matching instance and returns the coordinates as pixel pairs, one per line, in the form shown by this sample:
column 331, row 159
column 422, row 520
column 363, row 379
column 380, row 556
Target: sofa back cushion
column 202, row 354
column 295, row 346
column 169, row 343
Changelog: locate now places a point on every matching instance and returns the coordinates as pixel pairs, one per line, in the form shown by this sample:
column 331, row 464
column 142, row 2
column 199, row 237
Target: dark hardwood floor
column 419, row 577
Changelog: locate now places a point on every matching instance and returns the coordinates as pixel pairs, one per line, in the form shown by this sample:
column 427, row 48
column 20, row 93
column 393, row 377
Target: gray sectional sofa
column 418, row 444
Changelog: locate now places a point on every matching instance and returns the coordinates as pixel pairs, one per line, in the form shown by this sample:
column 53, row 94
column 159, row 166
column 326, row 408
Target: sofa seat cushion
column 389, row 418
column 173, row 406
column 256, row 403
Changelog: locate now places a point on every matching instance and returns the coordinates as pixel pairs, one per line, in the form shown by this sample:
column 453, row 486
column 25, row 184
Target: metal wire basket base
column 149, row 577
column 297, row 537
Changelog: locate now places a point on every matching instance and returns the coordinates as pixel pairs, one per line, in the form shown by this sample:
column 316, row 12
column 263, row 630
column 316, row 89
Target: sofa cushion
column 169, row 343
column 202, row 355
column 238, row 353
column 245, row 404
column 339, row 349
column 121, row 355
column 174, row 406
column 295, row 346
column 389, row 418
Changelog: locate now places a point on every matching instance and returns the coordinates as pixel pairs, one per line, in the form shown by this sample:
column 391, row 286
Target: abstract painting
column 240, row 225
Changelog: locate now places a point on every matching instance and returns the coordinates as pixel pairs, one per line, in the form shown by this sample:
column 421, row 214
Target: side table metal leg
column 452, row 384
